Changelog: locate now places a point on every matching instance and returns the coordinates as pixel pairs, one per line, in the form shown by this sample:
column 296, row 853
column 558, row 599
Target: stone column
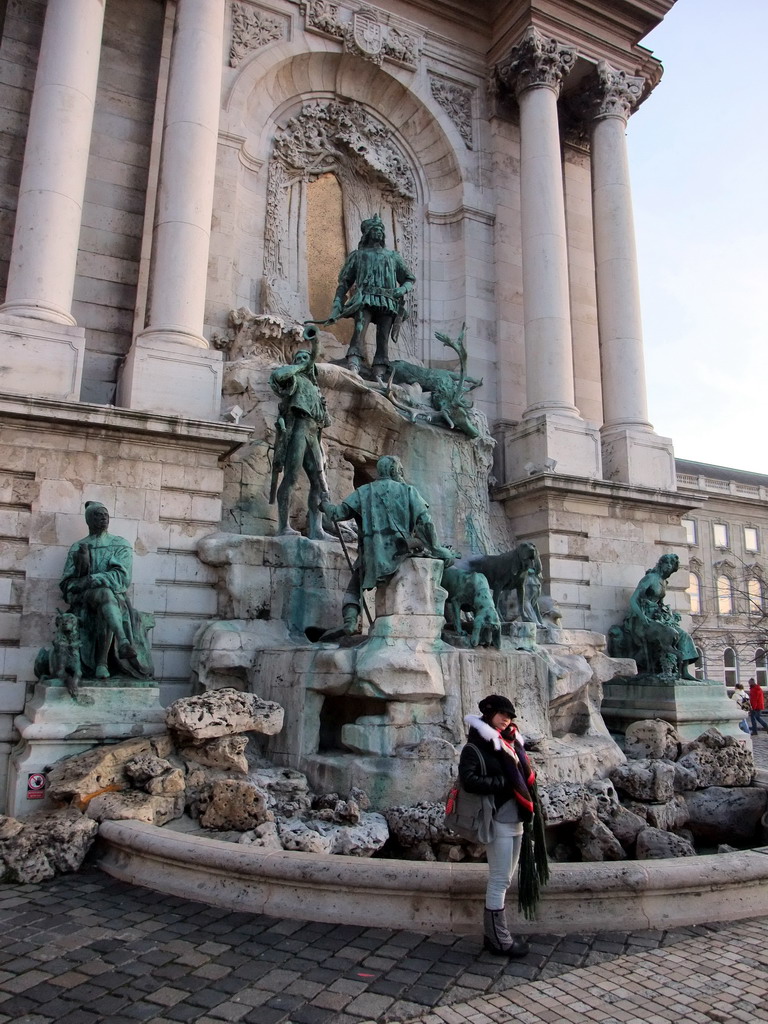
column 170, row 367
column 552, row 435
column 632, row 453
column 45, row 358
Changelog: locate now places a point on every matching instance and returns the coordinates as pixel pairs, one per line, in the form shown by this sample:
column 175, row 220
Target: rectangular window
column 750, row 539
column 690, row 530
column 720, row 535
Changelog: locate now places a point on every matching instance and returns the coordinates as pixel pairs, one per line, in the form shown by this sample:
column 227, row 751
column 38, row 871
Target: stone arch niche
column 345, row 140
column 298, row 110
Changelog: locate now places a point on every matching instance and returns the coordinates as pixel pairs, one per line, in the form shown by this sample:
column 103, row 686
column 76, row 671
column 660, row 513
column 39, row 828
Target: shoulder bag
column 470, row 815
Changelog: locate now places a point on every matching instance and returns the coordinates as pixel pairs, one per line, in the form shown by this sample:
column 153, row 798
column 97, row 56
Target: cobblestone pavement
column 85, row 948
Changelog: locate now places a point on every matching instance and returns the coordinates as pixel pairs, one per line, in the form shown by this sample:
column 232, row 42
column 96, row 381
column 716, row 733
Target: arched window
column 755, row 592
column 700, row 668
column 724, row 596
column 761, row 674
column 730, row 670
column 694, row 593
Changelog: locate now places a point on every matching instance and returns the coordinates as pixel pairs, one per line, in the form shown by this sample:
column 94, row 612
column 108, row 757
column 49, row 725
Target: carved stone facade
column 367, row 32
column 343, row 139
column 252, row 28
column 181, row 191
column 456, row 101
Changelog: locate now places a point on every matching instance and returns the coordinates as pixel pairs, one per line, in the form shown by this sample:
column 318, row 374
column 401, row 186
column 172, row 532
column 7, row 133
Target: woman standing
column 494, row 762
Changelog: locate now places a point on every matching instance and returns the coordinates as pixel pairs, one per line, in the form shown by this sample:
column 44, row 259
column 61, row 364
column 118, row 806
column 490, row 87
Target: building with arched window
column 727, row 541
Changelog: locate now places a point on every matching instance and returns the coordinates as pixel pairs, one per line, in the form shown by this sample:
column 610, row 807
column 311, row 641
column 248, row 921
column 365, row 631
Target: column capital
column 537, row 61
column 614, row 93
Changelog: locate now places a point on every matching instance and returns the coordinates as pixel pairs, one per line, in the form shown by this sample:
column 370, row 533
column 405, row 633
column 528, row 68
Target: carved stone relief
column 251, row 29
column 345, row 140
column 365, row 31
column 456, row 101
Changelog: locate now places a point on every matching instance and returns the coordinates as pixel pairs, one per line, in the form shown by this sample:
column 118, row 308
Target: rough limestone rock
column 718, row 760
column 224, row 712
column 656, row 844
column 429, row 749
column 652, row 738
column 134, row 805
column 669, row 816
column 296, row 834
column 686, row 779
column 199, row 785
column 9, row 827
column 645, row 780
column 625, row 824
column 235, row 804
column 595, row 840
column 287, row 790
column 225, row 752
column 363, row 839
column 450, row 854
column 102, row 768
column 721, row 814
column 155, row 775
column 422, row 822
column 421, row 851
column 47, row 844
column 332, row 808
column 604, row 669
column 264, row 837
column 563, row 801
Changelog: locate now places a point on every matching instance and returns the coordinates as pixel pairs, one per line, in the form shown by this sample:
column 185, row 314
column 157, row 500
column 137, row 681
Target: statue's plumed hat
column 94, row 506
column 373, row 222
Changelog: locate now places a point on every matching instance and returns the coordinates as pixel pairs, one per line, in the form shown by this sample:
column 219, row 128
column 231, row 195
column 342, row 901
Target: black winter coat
column 494, row 781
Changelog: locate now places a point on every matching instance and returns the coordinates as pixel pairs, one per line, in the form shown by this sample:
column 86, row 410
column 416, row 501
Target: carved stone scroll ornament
column 538, row 60
column 457, row 103
column 367, row 32
column 345, row 140
column 252, row 29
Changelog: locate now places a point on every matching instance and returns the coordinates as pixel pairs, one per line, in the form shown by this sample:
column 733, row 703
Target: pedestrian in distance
column 757, row 704
column 740, row 697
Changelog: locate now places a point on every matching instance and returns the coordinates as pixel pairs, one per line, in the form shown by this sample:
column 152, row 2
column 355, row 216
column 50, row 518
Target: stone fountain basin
column 432, row 897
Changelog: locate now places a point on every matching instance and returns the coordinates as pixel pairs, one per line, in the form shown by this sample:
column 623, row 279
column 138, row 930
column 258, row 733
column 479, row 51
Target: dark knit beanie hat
column 490, row 706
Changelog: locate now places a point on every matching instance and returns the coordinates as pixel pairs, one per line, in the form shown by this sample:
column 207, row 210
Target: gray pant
column 503, row 853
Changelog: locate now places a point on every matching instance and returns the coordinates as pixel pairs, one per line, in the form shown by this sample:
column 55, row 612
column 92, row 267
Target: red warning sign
column 35, row 786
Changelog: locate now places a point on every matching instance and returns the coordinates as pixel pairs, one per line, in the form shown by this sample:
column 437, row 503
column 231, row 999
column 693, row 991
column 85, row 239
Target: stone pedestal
column 40, row 358
column 398, row 660
column 54, row 725
column 165, row 377
column 522, row 635
column 552, row 443
column 638, row 457
column 691, row 708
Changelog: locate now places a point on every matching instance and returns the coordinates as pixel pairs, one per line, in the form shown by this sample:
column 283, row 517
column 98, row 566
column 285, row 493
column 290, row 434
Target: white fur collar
column 485, row 730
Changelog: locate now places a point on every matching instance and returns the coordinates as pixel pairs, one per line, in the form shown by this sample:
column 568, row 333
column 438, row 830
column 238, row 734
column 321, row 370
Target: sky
column 698, row 149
